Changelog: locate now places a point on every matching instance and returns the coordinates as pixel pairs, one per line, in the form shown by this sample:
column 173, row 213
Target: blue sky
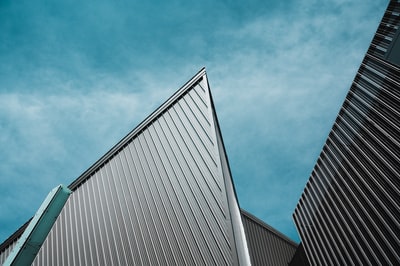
column 77, row 76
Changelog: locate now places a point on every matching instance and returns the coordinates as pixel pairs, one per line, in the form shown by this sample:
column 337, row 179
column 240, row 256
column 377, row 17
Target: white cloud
column 278, row 81
column 278, row 84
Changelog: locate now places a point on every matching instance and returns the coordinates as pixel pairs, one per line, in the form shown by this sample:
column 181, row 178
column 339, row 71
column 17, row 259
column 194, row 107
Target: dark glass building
column 349, row 212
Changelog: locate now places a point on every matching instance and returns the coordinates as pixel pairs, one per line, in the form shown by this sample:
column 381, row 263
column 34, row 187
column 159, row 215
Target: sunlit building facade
column 349, row 212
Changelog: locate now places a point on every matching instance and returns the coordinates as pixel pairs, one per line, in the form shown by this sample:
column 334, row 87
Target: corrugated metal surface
column 28, row 245
column 266, row 245
column 158, row 197
column 349, row 212
column 386, row 31
column 5, row 252
column 7, row 246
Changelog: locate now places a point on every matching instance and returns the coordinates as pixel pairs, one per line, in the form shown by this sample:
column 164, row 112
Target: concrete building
column 349, row 212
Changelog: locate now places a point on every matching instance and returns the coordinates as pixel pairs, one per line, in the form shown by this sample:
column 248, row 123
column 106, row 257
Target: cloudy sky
column 77, row 76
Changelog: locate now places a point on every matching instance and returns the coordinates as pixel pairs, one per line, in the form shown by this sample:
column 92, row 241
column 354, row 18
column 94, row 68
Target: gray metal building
column 266, row 245
column 163, row 195
column 349, row 212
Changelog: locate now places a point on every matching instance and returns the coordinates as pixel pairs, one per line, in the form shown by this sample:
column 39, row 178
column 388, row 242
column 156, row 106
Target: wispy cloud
column 42, row 135
column 75, row 78
column 287, row 74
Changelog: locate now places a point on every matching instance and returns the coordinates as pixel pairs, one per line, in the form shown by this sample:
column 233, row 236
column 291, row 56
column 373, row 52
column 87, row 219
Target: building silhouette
column 349, row 212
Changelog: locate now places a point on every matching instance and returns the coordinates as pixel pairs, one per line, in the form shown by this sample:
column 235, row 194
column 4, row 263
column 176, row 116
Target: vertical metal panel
column 7, row 246
column 6, row 252
column 158, row 198
column 349, row 212
column 37, row 231
column 266, row 245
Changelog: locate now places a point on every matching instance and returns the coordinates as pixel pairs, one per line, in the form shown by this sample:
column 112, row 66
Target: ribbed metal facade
column 162, row 196
column 7, row 246
column 266, row 245
column 7, row 251
column 349, row 213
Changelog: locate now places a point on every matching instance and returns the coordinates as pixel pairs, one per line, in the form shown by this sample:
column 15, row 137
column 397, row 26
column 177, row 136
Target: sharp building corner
column 163, row 195
column 349, row 212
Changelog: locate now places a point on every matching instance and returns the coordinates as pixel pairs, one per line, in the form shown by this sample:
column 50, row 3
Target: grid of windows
column 349, row 212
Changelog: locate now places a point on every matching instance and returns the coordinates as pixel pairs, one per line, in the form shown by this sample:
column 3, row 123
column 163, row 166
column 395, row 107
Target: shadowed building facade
column 349, row 212
column 163, row 195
